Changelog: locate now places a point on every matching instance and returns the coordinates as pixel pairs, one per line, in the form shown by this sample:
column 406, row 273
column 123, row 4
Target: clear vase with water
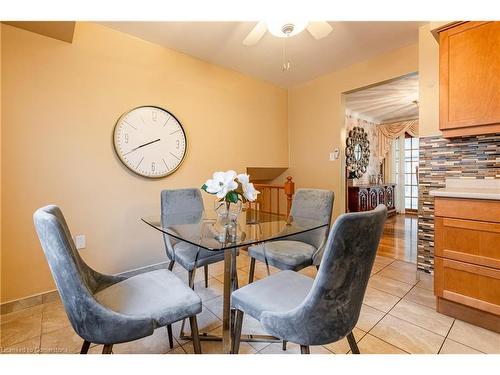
column 226, row 227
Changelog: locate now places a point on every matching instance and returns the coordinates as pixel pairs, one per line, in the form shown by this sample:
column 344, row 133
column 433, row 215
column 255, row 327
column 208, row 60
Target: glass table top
column 200, row 228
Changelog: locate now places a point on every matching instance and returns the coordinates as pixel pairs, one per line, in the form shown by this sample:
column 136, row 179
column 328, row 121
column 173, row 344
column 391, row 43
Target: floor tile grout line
column 387, row 313
column 387, row 342
column 384, row 267
column 447, row 333
column 416, row 325
column 461, row 343
column 393, row 278
column 385, row 291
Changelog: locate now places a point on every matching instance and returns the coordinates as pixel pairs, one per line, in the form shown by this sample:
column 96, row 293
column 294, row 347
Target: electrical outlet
column 80, row 241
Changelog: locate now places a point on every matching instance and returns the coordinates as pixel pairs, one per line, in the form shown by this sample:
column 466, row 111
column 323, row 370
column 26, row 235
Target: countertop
column 469, row 188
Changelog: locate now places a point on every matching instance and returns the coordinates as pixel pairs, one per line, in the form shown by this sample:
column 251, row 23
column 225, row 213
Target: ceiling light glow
column 283, row 29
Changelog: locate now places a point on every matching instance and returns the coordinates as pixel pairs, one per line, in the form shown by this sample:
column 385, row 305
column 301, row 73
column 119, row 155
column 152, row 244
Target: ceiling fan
column 283, row 29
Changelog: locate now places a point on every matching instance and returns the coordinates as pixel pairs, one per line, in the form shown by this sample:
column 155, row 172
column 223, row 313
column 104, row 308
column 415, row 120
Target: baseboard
column 469, row 314
column 53, row 295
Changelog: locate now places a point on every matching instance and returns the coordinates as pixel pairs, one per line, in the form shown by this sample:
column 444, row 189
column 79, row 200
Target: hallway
column 399, row 239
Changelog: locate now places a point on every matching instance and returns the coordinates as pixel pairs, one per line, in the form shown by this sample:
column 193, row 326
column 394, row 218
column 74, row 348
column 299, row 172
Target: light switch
column 80, row 241
column 335, row 154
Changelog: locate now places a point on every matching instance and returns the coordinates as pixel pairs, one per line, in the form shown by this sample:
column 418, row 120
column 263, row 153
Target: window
column 410, row 171
column 411, row 164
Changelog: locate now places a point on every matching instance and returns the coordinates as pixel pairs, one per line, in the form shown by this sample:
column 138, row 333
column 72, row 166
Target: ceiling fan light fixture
column 283, row 29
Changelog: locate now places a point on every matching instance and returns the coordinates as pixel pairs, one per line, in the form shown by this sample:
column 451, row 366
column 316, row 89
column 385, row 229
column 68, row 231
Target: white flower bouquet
column 232, row 190
column 230, row 187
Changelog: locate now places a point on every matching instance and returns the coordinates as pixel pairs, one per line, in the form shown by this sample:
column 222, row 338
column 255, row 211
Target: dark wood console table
column 367, row 197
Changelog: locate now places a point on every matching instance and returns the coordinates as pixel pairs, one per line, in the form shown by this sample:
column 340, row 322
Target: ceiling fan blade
column 319, row 29
column 256, row 34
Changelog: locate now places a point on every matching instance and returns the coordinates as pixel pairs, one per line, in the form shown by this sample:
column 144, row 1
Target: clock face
column 150, row 141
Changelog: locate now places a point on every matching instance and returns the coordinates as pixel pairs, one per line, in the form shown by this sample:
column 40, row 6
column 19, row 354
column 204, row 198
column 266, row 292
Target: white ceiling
column 388, row 102
column 221, row 43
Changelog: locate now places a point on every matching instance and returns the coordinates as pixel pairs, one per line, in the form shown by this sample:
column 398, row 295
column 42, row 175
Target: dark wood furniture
column 469, row 68
column 467, row 260
column 367, row 197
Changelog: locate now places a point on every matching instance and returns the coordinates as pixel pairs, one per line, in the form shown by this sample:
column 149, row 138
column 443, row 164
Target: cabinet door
column 373, row 198
column 389, row 193
column 469, row 241
column 470, row 79
column 363, row 200
column 468, row 284
column 381, row 195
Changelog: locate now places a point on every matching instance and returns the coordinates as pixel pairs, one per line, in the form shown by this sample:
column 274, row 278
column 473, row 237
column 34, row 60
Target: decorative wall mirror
column 357, row 152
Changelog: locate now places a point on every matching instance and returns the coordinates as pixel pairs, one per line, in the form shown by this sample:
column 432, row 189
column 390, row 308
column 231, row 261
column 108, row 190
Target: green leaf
column 204, row 187
column 232, row 197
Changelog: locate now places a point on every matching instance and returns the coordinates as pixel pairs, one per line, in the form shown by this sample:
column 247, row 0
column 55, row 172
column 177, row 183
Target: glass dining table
column 253, row 227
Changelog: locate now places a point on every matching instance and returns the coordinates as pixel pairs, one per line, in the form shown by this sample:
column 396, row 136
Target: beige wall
column 428, row 81
column 316, row 118
column 60, row 102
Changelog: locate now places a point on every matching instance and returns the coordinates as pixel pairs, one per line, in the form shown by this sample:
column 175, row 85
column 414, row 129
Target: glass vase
column 227, row 227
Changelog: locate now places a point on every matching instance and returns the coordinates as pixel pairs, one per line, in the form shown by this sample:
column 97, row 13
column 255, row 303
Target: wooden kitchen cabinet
column 467, row 260
column 469, row 99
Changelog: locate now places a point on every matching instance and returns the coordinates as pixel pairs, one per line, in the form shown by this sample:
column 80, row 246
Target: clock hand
column 145, row 144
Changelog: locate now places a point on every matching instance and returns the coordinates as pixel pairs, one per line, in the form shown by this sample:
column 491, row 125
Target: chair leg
column 352, row 343
column 284, row 344
column 171, row 265
column 251, row 271
column 191, row 275
column 205, row 271
column 85, row 347
column 304, row 349
column 237, row 332
column 194, row 334
column 170, row 336
column 107, row 349
column 232, row 319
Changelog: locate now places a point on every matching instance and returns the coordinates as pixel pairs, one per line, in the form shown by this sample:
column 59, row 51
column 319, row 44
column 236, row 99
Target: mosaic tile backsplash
column 440, row 158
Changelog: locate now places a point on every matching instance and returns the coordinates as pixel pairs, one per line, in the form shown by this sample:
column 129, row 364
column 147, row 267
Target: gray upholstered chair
column 296, row 308
column 302, row 250
column 190, row 257
column 106, row 309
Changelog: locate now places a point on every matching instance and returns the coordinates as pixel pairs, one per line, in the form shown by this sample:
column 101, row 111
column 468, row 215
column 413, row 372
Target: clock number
column 177, row 143
column 126, row 137
column 154, row 115
column 153, row 167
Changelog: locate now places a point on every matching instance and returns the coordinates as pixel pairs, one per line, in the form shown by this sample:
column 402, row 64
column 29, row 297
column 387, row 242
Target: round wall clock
column 150, row 141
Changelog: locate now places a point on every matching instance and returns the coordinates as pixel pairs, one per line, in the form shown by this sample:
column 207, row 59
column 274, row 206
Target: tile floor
column 397, row 316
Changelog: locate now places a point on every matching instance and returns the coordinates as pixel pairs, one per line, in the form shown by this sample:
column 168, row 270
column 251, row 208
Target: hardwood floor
column 399, row 239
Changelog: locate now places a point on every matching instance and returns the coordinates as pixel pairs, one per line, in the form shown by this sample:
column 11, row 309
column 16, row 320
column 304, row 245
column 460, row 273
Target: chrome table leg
column 226, row 307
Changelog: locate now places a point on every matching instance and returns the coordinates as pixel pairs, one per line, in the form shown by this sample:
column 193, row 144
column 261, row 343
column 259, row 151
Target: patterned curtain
column 387, row 133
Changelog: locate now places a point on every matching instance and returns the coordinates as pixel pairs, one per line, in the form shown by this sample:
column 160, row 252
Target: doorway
column 388, row 113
